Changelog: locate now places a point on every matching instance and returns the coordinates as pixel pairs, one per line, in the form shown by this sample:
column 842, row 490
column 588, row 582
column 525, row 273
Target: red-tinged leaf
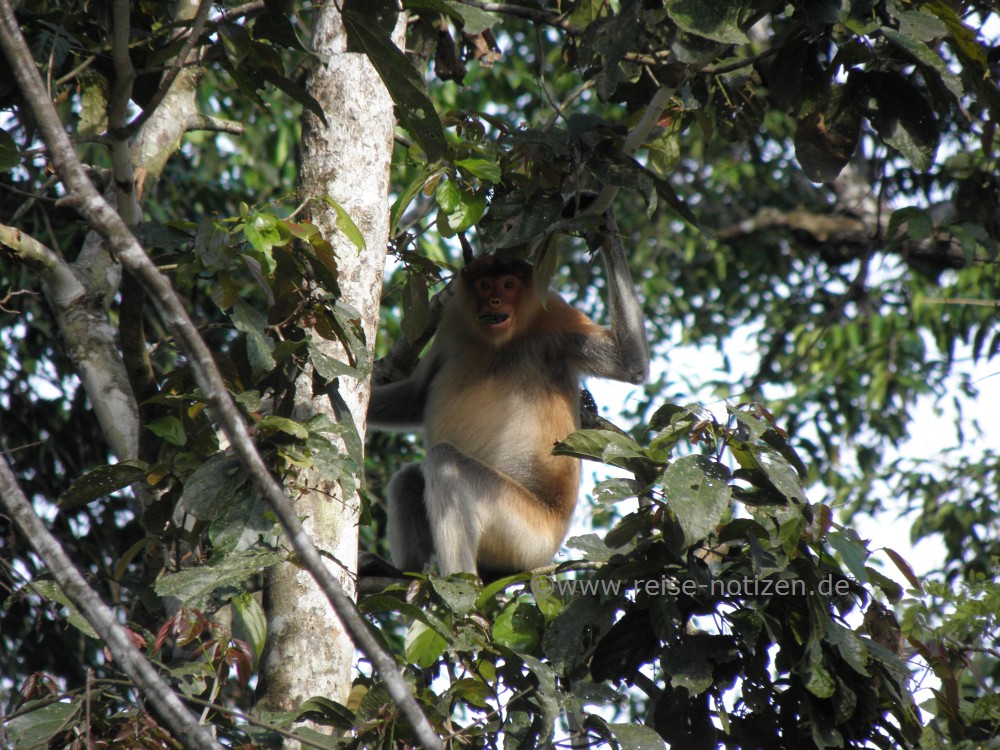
column 824, row 521
column 161, row 636
column 240, row 655
column 904, row 568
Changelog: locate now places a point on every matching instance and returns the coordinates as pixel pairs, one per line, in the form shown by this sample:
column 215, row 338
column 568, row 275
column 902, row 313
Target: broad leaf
column 101, row 482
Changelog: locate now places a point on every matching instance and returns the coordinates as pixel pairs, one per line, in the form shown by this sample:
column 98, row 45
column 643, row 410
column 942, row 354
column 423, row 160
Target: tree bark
column 347, row 159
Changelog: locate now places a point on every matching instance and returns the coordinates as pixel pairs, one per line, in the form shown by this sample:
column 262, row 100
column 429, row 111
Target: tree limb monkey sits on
column 499, row 386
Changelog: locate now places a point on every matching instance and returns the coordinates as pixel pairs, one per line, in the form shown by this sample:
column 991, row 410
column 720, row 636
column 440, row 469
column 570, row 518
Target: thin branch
column 199, row 121
column 241, row 11
column 104, row 219
column 961, row 301
column 9, row 296
column 743, row 62
column 180, row 720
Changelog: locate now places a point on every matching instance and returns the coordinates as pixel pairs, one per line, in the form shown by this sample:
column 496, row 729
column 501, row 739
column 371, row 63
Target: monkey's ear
column 467, row 254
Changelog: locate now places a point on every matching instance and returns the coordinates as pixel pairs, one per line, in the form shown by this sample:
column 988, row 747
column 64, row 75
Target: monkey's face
column 497, row 302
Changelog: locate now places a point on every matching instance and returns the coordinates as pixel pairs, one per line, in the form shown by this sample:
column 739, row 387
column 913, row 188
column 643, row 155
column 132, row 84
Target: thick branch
column 841, row 237
column 182, row 722
column 103, row 218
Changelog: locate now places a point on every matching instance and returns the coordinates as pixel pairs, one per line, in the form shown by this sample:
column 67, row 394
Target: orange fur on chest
column 511, row 424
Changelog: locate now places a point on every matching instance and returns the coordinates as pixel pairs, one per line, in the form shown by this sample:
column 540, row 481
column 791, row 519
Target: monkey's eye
column 484, row 285
column 509, row 284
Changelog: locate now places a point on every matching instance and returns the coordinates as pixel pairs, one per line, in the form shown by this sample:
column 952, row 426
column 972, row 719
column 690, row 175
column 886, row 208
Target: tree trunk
column 347, row 159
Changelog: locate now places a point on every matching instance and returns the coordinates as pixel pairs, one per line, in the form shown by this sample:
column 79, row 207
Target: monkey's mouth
column 493, row 319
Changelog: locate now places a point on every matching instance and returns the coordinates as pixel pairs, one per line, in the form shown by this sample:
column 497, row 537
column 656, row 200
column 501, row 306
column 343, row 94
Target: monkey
column 498, row 388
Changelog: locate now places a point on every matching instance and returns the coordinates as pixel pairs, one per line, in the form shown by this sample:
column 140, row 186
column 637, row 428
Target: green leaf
column 625, row 531
column 249, row 623
column 819, row 681
column 593, row 547
column 902, row 117
column 636, row 737
column 327, row 712
column 469, row 211
column 918, row 221
column 459, row 595
column 346, row 224
column 277, row 28
column 925, row 55
column 407, row 196
column 616, row 489
column 475, row 692
column 514, row 220
column 600, row 445
column 102, row 481
column 423, row 645
column 211, row 487
column 416, row 307
column 717, row 20
column 10, row 156
column 53, row 592
column 294, row 89
column 474, row 20
column 581, row 619
column 260, row 346
column 195, row 585
column 780, row 472
column 519, row 626
column 170, row 429
column 328, row 367
column 448, row 195
column 38, row 724
column 389, row 603
column 407, row 89
column 852, row 550
column 698, row 492
column 283, row 424
column 892, row 590
column 850, row 645
column 481, row 168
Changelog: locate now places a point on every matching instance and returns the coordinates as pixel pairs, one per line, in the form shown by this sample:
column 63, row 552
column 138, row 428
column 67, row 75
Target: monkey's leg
column 480, row 515
column 411, row 545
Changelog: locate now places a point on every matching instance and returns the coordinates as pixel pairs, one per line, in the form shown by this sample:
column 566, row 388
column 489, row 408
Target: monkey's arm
column 621, row 353
column 400, row 405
